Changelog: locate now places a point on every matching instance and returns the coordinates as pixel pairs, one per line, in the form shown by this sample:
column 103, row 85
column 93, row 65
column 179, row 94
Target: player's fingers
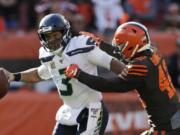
column 126, row 70
column 123, row 74
column 5, row 72
column 8, row 75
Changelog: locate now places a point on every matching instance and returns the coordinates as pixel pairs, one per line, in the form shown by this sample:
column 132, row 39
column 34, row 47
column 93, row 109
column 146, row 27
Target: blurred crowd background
column 20, row 18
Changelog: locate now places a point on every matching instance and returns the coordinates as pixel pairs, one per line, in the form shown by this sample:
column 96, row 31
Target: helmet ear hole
column 134, row 30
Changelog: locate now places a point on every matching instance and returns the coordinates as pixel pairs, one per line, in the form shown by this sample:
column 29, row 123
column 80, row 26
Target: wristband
column 17, row 77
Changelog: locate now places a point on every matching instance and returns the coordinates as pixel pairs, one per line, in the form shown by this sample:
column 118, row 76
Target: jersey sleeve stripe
column 138, row 70
column 46, row 59
column 139, row 66
column 137, row 74
column 80, row 50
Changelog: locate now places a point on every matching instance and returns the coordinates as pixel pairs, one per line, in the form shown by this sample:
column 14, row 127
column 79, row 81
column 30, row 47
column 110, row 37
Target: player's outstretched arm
column 96, row 82
column 30, row 75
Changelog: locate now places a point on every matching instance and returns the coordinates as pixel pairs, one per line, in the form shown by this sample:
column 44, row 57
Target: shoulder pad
column 84, row 41
column 156, row 58
column 44, row 53
column 79, row 44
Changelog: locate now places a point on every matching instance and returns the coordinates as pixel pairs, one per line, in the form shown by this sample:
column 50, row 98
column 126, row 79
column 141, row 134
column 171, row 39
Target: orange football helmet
column 131, row 38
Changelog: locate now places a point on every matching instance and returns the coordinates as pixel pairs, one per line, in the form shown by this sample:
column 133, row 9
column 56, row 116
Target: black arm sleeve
column 115, row 84
column 109, row 49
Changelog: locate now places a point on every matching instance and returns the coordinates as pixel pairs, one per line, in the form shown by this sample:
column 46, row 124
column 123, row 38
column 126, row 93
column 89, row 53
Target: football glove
column 72, row 71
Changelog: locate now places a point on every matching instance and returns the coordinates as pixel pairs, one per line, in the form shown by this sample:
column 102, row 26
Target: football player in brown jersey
column 147, row 74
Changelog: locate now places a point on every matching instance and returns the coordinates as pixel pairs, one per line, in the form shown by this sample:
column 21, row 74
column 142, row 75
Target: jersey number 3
column 65, row 81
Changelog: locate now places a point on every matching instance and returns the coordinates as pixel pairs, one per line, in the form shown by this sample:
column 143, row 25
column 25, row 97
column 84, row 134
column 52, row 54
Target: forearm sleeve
column 102, row 84
column 109, row 49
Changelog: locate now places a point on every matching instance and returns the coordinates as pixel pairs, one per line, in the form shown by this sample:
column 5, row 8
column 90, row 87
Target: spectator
column 78, row 23
column 43, row 8
column 27, row 17
column 144, row 11
column 8, row 9
column 65, row 7
column 107, row 14
column 174, row 66
column 172, row 18
column 18, row 14
column 85, row 8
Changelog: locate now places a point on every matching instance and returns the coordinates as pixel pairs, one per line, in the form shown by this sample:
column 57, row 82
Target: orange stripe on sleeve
column 138, row 66
column 136, row 74
column 138, row 70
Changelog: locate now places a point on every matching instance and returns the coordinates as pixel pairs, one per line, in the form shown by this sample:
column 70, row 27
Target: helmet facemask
column 51, row 41
column 127, row 52
column 131, row 38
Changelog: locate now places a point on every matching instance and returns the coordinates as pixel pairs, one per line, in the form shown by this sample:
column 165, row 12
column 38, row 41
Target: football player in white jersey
column 83, row 111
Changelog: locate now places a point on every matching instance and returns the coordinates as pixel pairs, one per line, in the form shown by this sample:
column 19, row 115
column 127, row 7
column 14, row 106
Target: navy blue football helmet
column 54, row 32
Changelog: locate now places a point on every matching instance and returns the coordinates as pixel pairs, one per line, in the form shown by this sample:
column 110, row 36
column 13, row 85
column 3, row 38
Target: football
column 4, row 84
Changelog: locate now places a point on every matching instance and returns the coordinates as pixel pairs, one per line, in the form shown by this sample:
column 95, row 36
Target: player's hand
column 96, row 38
column 72, row 71
column 9, row 75
column 124, row 73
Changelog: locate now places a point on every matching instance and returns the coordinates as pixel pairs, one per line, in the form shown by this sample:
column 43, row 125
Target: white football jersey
column 80, row 50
